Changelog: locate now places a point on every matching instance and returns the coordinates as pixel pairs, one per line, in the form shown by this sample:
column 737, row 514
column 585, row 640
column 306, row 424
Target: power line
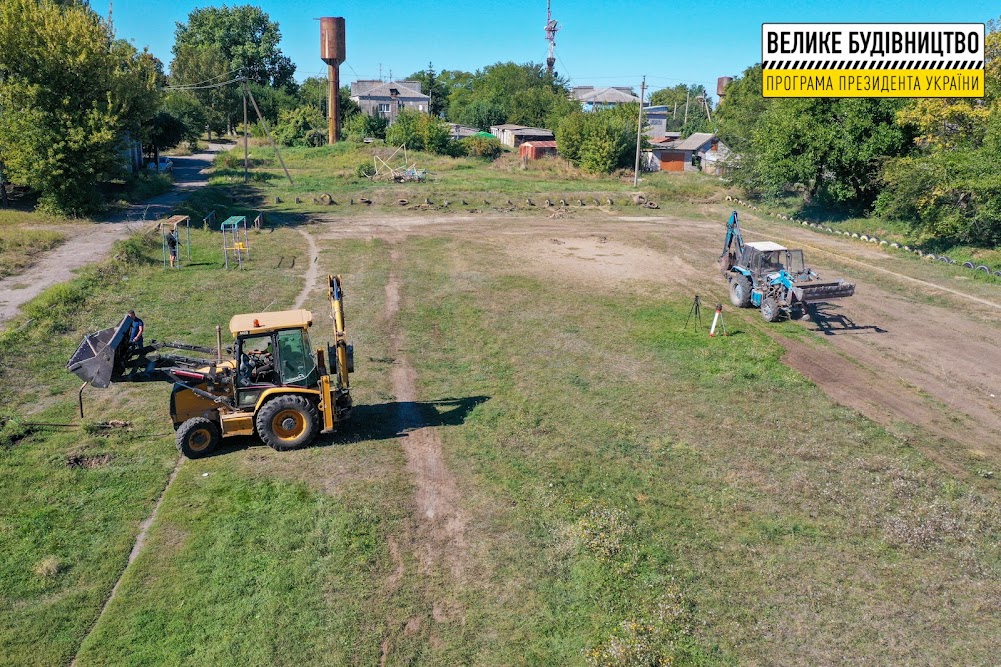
column 218, row 76
column 215, row 85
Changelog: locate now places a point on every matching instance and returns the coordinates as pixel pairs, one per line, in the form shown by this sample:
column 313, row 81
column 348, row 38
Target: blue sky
column 601, row 43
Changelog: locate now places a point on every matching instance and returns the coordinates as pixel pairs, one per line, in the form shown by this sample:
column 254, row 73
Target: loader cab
column 272, row 350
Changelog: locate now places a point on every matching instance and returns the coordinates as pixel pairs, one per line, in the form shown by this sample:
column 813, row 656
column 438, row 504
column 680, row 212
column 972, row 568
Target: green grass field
column 20, row 244
column 630, row 492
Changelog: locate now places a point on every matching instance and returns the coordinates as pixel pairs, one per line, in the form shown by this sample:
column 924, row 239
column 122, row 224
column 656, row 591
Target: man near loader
column 136, row 333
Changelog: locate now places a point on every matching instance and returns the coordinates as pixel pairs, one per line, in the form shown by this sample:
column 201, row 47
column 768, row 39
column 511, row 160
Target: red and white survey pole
column 717, row 320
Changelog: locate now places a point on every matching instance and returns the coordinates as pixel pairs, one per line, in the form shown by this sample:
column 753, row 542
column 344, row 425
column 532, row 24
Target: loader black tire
column 740, row 291
column 770, row 309
column 288, row 422
column 197, row 437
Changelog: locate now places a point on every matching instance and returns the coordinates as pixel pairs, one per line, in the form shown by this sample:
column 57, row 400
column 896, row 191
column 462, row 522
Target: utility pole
column 639, row 134
column 687, row 93
column 246, row 145
column 267, row 132
column 430, row 87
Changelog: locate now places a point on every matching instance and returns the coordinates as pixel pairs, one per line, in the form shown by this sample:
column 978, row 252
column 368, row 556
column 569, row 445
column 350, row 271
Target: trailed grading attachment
column 771, row 277
column 808, row 292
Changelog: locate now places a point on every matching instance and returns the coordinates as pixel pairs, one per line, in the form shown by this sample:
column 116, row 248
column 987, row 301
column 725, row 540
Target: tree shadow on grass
column 379, row 421
column 830, row 321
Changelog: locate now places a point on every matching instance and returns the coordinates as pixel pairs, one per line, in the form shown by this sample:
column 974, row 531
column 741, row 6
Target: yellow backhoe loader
column 271, row 385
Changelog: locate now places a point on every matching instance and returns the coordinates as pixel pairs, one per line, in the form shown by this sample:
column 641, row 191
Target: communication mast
column 552, row 27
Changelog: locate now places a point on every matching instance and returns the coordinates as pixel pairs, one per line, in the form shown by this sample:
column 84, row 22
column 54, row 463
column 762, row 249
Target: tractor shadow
column 386, row 421
column 830, row 321
column 379, row 421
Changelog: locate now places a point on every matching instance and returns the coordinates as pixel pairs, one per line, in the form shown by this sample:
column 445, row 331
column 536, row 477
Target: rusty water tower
column 333, row 53
column 721, row 84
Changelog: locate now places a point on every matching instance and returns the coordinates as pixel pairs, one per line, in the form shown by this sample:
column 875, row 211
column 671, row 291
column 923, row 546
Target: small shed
column 515, row 135
column 533, row 150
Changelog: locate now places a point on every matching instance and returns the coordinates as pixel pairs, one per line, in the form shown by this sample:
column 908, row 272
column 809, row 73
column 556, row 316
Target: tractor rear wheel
column 288, row 422
column 197, row 437
column 770, row 309
column 740, row 291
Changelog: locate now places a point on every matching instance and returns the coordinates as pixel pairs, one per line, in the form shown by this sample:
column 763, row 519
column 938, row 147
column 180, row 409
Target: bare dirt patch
column 602, row 257
column 80, row 461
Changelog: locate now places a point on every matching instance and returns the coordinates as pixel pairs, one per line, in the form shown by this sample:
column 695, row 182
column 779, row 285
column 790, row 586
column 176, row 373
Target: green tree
column 271, row 101
column 828, row 148
column 480, row 146
column 314, row 90
column 362, row 125
column 481, row 115
column 165, row 130
column 676, row 98
column 496, row 87
column 303, row 126
column 419, row 131
column 540, row 107
column 194, row 71
column 599, row 141
column 741, row 108
column 950, row 187
column 187, row 109
column 434, row 86
column 70, row 94
column 246, row 37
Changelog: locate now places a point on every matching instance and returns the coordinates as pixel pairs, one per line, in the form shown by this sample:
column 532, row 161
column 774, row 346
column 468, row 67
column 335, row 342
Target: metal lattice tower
column 552, row 27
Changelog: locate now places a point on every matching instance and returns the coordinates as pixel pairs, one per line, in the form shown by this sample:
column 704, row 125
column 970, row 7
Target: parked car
column 165, row 165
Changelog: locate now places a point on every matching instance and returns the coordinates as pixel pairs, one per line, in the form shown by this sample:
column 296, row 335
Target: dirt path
column 312, row 272
column 440, row 536
column 92, row 244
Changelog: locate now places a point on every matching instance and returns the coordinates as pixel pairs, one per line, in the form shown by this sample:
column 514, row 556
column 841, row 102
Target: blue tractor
column 773, row 278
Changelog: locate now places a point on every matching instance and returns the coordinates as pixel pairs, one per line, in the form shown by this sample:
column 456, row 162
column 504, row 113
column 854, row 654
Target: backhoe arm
column 336, row 296
column 733, row 238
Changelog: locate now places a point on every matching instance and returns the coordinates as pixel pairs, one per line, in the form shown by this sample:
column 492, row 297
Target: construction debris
column 401, row 173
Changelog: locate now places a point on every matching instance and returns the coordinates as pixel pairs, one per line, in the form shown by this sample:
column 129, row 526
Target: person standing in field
column 136, row 333
column 172, row 246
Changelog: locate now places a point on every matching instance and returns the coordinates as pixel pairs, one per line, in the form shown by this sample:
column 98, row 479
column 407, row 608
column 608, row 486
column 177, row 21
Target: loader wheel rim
column 199, row 440
column 288, row 424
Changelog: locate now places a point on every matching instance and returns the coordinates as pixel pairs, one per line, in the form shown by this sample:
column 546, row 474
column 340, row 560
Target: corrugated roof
column 534, row 131
column 540, row 144
column 695, row 141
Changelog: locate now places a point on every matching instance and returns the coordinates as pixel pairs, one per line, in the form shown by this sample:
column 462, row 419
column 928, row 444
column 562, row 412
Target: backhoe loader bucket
column 811, row 292
column 101, row 353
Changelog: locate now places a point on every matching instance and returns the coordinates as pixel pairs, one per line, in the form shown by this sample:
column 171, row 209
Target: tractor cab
column 765, row 257
column 272, row 350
